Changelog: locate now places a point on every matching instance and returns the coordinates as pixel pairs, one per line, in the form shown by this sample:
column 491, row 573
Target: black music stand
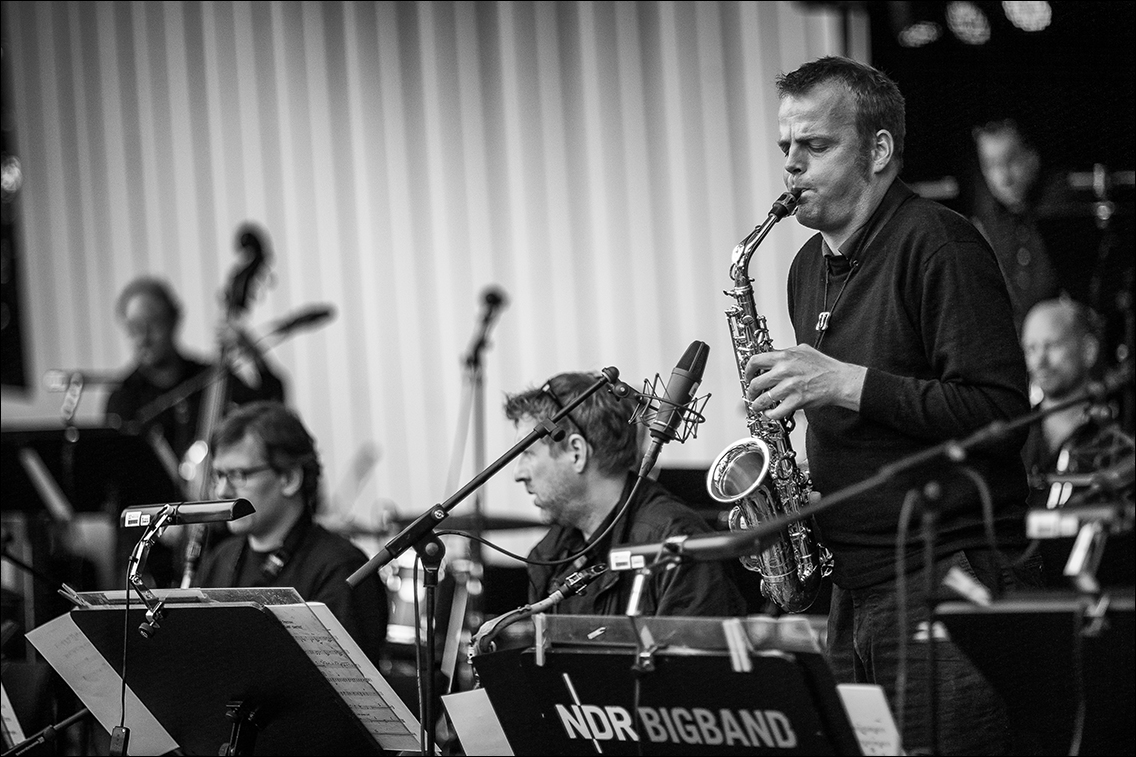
column 225, row 673
column 1049, row 654
column 94, row 467
column 577, row 695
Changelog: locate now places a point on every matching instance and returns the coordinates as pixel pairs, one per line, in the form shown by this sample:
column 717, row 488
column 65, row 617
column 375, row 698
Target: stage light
column 967, row 21
column 916, row 24
column 1027, row 15
column 920, row 33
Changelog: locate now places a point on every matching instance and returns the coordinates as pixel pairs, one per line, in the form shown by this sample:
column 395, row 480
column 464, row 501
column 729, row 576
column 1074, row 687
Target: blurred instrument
column 759, row 474
column 200, row 456
column 1099, row 466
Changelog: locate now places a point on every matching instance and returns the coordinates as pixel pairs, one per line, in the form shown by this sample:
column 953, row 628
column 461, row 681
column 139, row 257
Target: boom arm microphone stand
column 419, row 535
column 719, row 547
column 956, row 451
column 469, row 613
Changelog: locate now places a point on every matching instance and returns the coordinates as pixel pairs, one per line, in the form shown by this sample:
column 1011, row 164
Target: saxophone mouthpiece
column 786, row 204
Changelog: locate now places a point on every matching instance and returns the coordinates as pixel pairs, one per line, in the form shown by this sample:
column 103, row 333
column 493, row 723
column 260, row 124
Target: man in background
column 263, row 453
column 1061, row 342
column 164, row 390
column 1006, row 212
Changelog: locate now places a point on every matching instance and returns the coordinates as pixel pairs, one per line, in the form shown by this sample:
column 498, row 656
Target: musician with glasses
column 581, row 482
column 263, row 453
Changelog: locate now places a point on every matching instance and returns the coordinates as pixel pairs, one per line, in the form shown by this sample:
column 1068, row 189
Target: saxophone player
column 905, row 338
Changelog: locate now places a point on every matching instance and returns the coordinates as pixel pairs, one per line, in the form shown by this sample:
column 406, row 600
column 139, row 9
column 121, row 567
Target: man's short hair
column 879, row 103
column 154, row 287
column 1082, row 320
column 287, row 443
column 602, row 419
column 1004, row 126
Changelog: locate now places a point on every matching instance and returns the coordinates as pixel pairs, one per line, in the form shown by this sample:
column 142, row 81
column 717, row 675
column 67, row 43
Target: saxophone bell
column 738, row 470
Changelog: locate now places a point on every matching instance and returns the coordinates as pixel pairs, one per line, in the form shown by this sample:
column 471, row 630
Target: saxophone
column 759, row 475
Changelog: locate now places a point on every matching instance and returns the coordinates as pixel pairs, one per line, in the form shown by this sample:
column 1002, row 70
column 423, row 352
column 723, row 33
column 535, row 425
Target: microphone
column 60, row 379
column 1113, row 478
column 495, row 299
column 673, row 415
column 312, row 315
column 573, row 585
column 482, row 641
column 184, row 513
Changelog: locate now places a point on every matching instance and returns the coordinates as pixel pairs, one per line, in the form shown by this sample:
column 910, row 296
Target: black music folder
column 93, row 467
column 662, row 686
column 290, row 664
column 1062, row 661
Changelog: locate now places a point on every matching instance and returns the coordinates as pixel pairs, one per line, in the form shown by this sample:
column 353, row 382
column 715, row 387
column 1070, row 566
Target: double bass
column 199, row 457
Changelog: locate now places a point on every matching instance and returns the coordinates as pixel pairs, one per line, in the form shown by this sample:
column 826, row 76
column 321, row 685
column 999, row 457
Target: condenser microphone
column 184, row 513
column 680, row 392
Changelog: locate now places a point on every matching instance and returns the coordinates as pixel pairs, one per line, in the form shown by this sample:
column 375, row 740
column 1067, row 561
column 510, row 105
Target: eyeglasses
column 237, row 477
column 547, row 389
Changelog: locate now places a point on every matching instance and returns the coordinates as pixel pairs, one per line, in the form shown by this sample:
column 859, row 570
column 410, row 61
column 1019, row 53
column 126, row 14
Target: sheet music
column 327, row 643
column 64, row 645
column 871, row 718
column 13, row 733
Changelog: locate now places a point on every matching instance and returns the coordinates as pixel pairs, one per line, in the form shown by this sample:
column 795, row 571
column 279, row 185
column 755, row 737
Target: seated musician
column 581, row 484
column 163, row 394
column 1062, row 347
column 263, row 453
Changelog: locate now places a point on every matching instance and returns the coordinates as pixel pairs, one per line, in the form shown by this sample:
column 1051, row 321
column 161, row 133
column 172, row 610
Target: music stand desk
column 575, row 691
column 1034, row 649
column 307, row 694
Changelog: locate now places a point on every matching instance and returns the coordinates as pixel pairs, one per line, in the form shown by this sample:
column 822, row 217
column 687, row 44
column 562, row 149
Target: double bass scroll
column 199, row 457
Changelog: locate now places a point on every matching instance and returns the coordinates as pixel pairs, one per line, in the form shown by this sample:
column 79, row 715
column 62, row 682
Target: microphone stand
column 48, row 734
column 472, row 611
column 718, row 547
column 419, row 533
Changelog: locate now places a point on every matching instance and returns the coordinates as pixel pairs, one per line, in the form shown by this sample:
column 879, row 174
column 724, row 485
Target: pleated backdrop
column 595, row 162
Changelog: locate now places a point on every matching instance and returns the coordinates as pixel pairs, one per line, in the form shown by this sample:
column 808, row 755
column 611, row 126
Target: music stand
column 240, row 672
column 1049, row 654
column 93, row 466
column 50, row 474
column 574, row 692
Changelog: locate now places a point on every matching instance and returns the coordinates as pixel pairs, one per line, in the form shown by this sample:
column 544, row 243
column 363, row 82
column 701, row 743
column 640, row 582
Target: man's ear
column 883, row 150
column 293, row 480
column 580, row 451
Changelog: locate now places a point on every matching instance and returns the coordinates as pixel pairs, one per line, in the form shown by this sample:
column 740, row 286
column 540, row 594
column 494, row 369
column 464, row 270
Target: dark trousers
column 865, row 646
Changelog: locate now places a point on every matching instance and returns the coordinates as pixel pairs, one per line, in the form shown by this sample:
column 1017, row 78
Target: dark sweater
column 926, row 310
column 316, row 563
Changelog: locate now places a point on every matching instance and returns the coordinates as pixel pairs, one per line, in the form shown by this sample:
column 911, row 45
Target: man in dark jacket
column 582, row 484
column 264, row 454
